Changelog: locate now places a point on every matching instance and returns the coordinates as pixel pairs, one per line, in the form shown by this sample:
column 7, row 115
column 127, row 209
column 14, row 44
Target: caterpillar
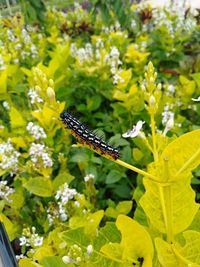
column 86, row 136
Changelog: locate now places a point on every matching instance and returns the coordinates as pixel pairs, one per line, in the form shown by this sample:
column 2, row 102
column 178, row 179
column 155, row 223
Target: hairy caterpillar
column 84, row 135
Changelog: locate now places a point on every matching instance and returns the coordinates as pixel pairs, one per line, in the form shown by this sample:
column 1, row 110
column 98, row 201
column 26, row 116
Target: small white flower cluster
column 34, row 97
column 64, row 194
column 167, row 115
column 11, row 36
column 179, row 23
column 89, row 177
column 34, row 51
column 5, row 191
column 8, row 156
column 40, row 156
column 19, row 257
column 113, row 60
column 116, row 27
column 83, row 54
column 36, row 131
column 56, row 212
column 6, row 105
column 31, row 238
column 26, row 37
column 2, row 63
column 170, row 90
column 117, row 78
column 75, row 254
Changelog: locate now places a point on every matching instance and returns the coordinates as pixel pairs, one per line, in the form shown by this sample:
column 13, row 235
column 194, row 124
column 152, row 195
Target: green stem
column 135, row 169
column 187, row 163
column 166, row 204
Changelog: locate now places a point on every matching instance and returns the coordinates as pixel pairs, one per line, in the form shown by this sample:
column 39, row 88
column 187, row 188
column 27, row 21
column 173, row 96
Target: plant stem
column 135, row 169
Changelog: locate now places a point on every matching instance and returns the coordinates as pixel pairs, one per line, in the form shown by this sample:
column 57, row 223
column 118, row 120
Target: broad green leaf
column 40, row 186
column 53, row 261
column 113, row 177
column 171, row 255
column 17, row 199
column 171, row 208
column 16, row 118
column 94, row 102
column 182, row 155
column 134, row 236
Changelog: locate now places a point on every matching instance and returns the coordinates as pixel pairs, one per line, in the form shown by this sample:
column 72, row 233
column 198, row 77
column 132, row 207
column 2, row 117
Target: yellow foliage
column 134, row 56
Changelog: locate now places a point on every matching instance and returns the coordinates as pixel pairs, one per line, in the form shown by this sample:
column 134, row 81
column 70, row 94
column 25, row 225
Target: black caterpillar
column 84, row 135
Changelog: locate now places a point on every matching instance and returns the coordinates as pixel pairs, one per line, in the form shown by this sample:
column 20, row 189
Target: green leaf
column 171, row 255
column 40, row 186
column 53, row 261
column 134, row 236
column 94, row 102
column 113, row 177
column 16, row 118
column 61, row 178
column 106, row 234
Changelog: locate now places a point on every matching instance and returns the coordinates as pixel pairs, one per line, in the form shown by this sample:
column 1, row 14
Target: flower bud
column 152, row 101
column 51, row 94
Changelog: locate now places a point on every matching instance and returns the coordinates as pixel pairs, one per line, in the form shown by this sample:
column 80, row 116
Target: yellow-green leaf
column 171, row 208
column 40, row 186
column 28, row 263
column 182, row 155
column 43, row 252
column 134, row 236
column 171, row 255
column 3, row 82
column 16, row 118
column 11, row 228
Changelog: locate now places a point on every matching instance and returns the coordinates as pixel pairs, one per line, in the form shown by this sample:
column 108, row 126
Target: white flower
column 169, row 125
column 67, row 259
column 34, row 97
column 89, row 249
column 89, row 177
column 6, row 105
column 37, row 240
column 19, row 257
column 5, row 191
column 167, row 115
column 65, row 194
column 135, row 131
column 22, row 240
column 39, row 155
column 196, row 99
column 8, row 156
column 36, row 131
